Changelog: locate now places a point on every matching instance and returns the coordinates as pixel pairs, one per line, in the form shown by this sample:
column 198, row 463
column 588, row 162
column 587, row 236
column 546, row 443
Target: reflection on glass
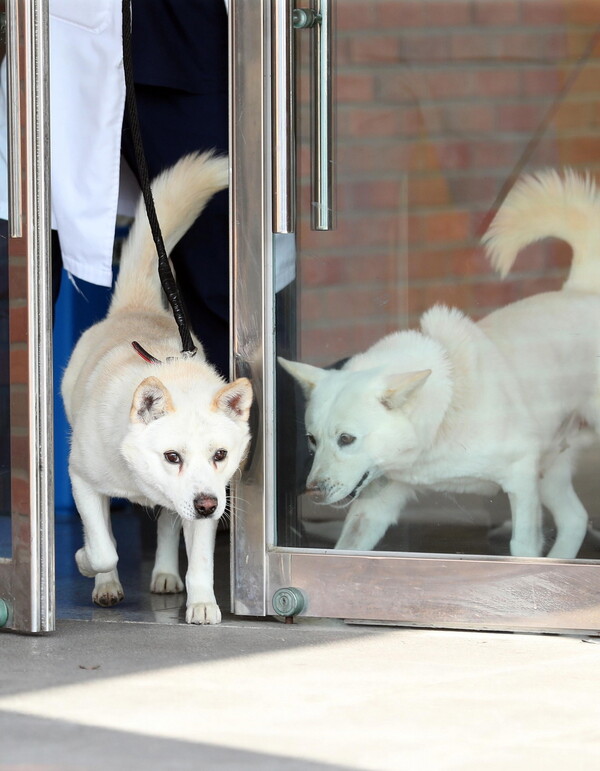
column 5, row 538
column 5, row 528
column 459, row 437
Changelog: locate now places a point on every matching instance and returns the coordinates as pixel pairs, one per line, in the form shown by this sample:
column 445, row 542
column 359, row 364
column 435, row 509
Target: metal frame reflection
column 447, row 591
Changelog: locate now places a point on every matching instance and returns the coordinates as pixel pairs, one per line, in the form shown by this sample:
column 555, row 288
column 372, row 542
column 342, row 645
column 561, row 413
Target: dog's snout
column 315, row 489
column 205, row 505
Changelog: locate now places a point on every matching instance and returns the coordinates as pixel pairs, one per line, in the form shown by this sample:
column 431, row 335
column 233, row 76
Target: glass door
column 457, row 487
column 26, row 449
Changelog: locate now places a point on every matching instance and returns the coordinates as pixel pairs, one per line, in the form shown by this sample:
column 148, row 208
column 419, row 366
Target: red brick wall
column 437, row 100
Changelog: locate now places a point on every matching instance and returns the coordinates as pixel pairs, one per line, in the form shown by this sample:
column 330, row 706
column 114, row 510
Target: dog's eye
column 311, row 440
column 219, row 455
column 345, row 439
column 173, row 457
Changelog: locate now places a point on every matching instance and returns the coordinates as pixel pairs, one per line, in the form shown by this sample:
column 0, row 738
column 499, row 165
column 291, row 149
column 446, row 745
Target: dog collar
column 152, row 359
column 144, row 353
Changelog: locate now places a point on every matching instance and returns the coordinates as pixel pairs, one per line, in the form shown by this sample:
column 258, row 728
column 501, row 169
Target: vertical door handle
column 15, row 213
column 322, row 183
column 285, row 18
column 283, row 138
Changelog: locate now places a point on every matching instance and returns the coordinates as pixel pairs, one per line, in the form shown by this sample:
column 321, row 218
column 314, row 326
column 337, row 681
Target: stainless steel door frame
column 252, row 297
column 418, row 590
column 27, row 577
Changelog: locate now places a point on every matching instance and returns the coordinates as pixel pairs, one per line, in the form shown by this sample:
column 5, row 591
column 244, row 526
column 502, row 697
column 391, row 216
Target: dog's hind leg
column 370, row 515
column 559, row 497
column 526, row 509
column 165, row 574
column 199, row 535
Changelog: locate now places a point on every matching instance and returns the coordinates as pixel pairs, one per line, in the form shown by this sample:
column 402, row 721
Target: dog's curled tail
column 548, row 204
column 180, row 194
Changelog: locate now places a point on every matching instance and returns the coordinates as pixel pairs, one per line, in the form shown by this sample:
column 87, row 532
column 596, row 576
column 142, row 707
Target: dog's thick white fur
column 459, row 406
column 167, row 434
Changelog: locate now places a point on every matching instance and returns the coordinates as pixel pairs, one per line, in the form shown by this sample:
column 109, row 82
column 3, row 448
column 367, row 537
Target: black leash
column 165, row 273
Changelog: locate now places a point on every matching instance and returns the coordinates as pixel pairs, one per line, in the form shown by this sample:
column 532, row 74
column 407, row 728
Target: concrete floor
column 134, row 688
column 260, row 694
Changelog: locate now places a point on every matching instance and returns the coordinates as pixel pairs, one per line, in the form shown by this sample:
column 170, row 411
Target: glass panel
column 5, row 539
column 27, row 577
column 5, row 530
column 441, row 106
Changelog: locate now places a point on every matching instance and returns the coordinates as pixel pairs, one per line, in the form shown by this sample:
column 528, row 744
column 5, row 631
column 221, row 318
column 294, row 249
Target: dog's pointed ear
column 234, row 399
column 399, row 388
column 305, row 375
column 151, row 401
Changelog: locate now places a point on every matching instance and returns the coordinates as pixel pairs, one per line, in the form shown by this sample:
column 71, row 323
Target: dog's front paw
column 108, row 593
column 166, row 583
column 203, row 613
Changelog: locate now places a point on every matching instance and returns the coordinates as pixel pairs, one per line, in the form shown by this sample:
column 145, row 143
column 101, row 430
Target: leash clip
column 153, row 360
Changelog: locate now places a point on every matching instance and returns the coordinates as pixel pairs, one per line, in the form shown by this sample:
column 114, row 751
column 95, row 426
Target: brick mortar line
column 495, row 100
column 520, row 27
column 470, row 279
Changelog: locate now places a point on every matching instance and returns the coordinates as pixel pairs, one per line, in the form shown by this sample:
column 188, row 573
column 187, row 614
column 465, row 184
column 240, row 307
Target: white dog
column 148, row 424
column 474, row 407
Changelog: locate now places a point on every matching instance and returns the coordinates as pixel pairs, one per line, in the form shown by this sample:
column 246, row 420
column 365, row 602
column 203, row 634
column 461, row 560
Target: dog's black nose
column 205, row 505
